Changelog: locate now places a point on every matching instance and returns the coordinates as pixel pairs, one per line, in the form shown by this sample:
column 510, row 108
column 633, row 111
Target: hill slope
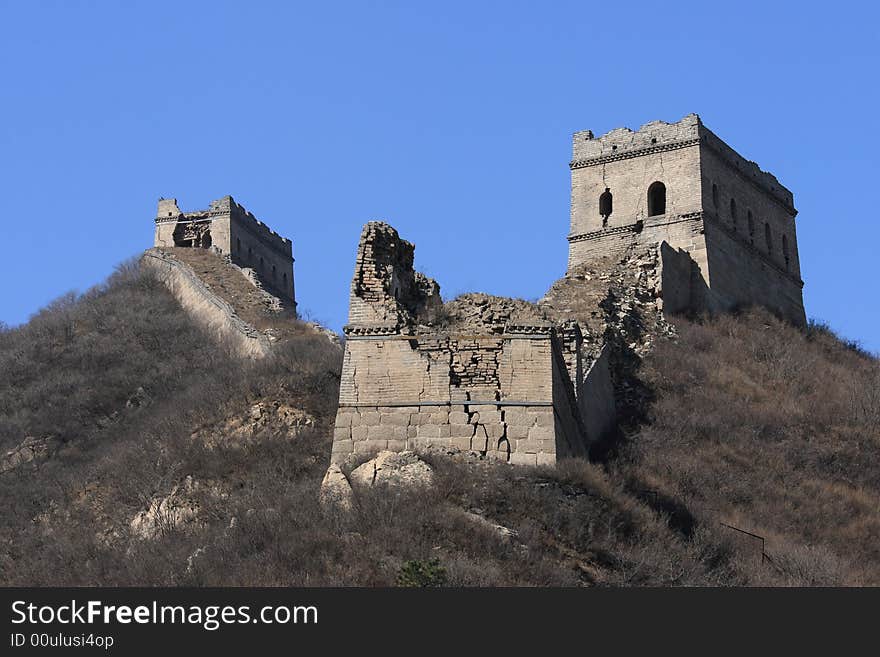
column 135, row 452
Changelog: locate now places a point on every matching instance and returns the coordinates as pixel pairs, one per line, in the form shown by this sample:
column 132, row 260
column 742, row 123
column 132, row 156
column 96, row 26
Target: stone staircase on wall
column 223, row 299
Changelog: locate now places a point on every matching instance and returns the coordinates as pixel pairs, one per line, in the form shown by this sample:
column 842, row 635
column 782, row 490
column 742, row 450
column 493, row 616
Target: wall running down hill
column 212, row 312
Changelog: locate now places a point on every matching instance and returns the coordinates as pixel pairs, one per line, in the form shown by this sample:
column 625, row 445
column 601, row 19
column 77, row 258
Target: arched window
column 768, row 238
column 785, row 251
column 733, row 215
column 274, row 276
column 237, row 245
column 261, row 263
column 751, row 229
column 605, row 206
column 715, row 195
column 656, row 199
column 284, row 278
column 250, row 254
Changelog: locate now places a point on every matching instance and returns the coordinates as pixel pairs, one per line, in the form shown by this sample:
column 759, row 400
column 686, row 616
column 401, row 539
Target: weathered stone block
column 463, row 443
column 428, row 431
column 490, row 417
column 516, row 415
column 378, row 432
column 395, row 419
column 519, row 458
column 458, row 417
column 542, row 433
column 528, row 446
column 481, row 443
column 461, row 430
column 343, row 446
column 543, row 418
column 369, row 418
column 359, row 432
column 344, row 419
column 341, row 433
column 494, row 431
column 369, row 446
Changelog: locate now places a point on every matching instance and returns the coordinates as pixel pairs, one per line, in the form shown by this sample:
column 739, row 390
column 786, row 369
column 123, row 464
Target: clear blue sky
column 450, row 120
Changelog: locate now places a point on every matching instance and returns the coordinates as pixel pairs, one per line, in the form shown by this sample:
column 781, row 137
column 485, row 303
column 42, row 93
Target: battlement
column 680, row 183
column 250, row 222
column 749, row 170
column 227, row 228
column 659, row 136
column 623, row 142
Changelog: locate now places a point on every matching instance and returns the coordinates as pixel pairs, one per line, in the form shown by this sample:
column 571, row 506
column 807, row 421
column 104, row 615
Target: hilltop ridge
column 166, row 463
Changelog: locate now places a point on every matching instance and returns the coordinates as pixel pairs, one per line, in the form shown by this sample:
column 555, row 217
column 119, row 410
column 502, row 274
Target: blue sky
column 450, row 120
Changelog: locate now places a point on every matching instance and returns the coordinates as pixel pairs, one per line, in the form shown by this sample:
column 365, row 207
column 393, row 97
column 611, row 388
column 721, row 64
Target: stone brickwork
column 214, row 314
column 480, row 373
column 228, row 229
column 680, row 184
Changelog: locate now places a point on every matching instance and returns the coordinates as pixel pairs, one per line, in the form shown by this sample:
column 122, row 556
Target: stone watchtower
column 680, row 184
column 226, row 228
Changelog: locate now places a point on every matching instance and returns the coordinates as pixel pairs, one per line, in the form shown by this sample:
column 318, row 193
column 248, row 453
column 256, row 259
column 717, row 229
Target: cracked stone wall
column 479, row 373
column 736, row 222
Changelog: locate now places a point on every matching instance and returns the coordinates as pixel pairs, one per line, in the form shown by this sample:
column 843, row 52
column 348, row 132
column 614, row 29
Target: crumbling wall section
column 386, row 290
column 491, row 394
column 735, row 221
column 479, row 373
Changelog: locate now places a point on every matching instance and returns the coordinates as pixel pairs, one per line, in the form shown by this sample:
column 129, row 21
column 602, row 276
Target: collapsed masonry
column 664, row 219
column 502, row 377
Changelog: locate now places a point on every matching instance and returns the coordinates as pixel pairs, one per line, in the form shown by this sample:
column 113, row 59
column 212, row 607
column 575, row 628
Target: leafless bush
column 774, row 426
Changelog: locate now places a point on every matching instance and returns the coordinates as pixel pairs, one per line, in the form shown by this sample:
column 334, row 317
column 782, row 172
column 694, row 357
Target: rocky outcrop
column 393, row 469
column 272, row 418
column 30, row 450
column 176, row 511
column 336, row 492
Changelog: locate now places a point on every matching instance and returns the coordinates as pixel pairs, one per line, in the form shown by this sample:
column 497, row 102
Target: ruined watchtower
column 228, row 229
column 679, row 183
column 497, row 376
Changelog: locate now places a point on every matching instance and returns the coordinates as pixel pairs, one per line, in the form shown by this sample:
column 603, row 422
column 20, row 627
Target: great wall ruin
column 665, row 219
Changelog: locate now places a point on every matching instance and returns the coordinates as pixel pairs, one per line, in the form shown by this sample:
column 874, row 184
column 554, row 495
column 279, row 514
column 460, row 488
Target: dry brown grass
column 753, row 423
column 774, row 430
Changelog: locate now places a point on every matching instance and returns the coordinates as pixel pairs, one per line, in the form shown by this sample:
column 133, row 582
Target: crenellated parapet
column 679, row 183
column 227, row 228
